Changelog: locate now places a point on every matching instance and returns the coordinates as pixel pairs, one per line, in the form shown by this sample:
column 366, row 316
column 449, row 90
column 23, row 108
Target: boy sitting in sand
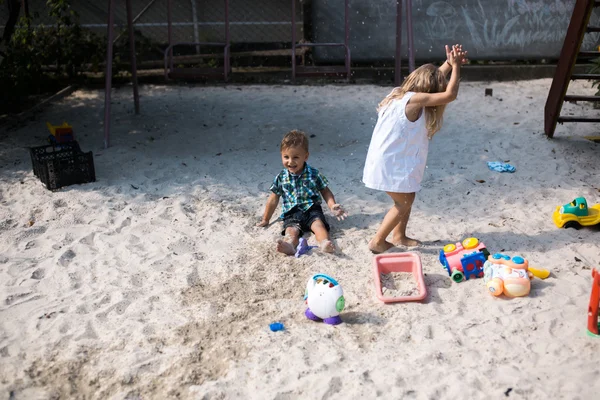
column 301, row 187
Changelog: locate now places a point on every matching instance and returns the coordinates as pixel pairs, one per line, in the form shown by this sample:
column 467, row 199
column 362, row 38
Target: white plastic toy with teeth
column 325, row 299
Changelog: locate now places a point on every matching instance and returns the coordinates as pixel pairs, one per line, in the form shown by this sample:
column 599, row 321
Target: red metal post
column 594, row 302
column 109, row 60
column 136, row 95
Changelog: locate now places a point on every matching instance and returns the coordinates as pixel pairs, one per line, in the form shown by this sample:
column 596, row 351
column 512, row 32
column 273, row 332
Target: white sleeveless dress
column 398, row 151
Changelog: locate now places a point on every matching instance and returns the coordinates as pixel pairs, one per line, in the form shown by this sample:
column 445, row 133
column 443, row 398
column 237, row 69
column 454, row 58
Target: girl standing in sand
column 408, row 118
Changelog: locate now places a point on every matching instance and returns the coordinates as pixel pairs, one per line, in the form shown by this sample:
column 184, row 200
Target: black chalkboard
column 489, row 29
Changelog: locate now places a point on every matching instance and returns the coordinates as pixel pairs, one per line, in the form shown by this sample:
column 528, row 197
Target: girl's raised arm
column 455, row 59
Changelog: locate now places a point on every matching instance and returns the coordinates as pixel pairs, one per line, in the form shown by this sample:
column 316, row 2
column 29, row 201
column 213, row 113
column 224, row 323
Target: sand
column 153, row 282
column 398, row 284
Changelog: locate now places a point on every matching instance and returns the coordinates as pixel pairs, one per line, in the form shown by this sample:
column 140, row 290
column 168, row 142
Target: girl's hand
column 339, row 212
column 456, row 54
column 262, row 223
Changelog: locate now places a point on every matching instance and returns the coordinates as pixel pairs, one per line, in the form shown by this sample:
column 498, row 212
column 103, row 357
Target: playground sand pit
column 154, row 282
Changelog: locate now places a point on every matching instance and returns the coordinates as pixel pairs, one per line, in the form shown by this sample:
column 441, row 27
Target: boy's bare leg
column 288, row 244
column 322, row 236
column 396, row 217
column 399, row 237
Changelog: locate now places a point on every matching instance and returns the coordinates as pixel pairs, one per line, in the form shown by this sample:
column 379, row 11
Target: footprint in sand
column 38, row 274
column 68, row 239
column 81, row 309
column 334, row 387
column 119, row 307
column 135, row 246
column 124, row 224
column 66, row 258
column 75, row 280
column 59, row 203
column 88, row 240
column 188, row 210
column 138, row 280
column 10, row 299
column 183, row 246
column 89, row 333
column 162, row 264
column 193, row 278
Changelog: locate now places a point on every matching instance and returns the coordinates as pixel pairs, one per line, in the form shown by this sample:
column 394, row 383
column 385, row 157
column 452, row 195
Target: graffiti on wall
column 489, row 29
column 524, row 23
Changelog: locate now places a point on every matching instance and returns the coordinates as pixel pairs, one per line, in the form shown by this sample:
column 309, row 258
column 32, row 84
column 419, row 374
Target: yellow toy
column 60, row 133
column 576, row 214
column 510, row 276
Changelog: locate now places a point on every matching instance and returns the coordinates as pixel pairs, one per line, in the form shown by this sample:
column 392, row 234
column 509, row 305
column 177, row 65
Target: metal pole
column 347, row 38
column 26, row 8
column 409, row 27
column 227, row 38
column 195, row 19
column 137, row 17
column 109, row 60
column 169, row 32
column 398, row 72
column 136, row 95
column 293, row 40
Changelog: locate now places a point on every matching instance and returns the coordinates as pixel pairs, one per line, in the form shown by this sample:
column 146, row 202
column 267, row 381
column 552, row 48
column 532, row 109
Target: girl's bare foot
column 406, row 241
column 285, row 247
column 327, row 246
column 379, row 247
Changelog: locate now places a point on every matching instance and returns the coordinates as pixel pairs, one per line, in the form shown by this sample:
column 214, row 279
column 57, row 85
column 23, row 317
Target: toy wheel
column 572, row 224
column 470, row 243
column 457, row 276
column 449, row 247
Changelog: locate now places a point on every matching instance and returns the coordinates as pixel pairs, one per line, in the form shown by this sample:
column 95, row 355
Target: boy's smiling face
column 293, row 159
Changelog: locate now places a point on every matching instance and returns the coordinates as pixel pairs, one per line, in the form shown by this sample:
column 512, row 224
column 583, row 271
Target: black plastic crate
column 62, row 165
column 42, row 153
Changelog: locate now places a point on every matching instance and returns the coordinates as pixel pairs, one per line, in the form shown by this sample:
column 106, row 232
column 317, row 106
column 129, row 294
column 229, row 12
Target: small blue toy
column 303, row 247
column 276, row 326
column 500, row 166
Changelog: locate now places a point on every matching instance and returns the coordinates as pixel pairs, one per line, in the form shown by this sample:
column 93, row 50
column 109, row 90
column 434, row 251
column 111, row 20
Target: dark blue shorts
column 302, row 220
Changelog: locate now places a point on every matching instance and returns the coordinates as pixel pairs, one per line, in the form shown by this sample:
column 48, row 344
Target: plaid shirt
column 299, row 190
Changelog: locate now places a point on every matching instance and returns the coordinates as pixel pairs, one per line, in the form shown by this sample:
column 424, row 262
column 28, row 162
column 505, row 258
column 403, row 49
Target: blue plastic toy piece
column 500, row 166
column 276, row 326
column 498, row 256
column 518, row 260
column 303, row 247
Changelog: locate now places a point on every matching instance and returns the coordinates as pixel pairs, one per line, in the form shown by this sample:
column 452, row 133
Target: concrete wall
column 488, row 29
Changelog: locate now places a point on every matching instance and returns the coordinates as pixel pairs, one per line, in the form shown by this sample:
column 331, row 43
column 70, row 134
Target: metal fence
column 254, row 24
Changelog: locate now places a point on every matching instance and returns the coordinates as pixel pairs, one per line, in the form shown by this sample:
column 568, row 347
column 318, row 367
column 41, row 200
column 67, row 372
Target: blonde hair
column 294, row 138
column 425, row 79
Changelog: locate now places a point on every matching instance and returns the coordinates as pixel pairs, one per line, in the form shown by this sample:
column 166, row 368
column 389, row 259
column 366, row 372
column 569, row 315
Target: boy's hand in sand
column 339, row 212
column 262, row 223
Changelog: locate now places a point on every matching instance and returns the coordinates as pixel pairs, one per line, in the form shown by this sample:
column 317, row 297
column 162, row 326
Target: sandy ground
column 153, row 281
